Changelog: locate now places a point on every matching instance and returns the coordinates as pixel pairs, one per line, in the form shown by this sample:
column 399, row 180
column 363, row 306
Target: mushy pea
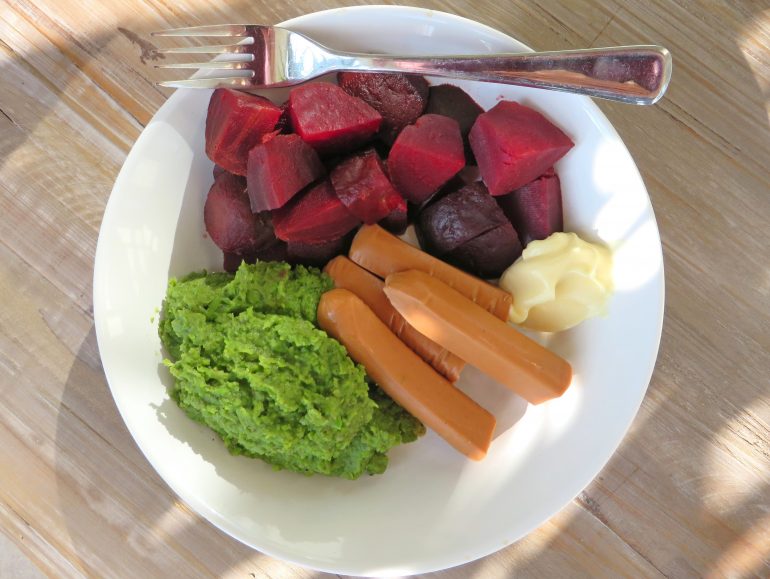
column 250, row 363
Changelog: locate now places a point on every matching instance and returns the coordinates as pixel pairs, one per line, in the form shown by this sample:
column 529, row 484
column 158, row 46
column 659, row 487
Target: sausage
column 478, row 337
column 382, row 253
column 368, row 287
column 404, row 376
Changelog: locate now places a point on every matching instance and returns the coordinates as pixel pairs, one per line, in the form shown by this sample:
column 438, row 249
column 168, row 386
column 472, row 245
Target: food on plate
column 229, row 220
column 489, row 254
column 426, row 155
column 245, row 349
column 362, row 185
column 249, row 362
column 347, row 275
column 278, row 169
column 514, row 144
column 399, row 98
column 236, row 121
column 424, row 180
column 469, row 331
column 469, row 230
column 404, row 376
column 558, row 282
column 329, row 119
column 457, row 218
column 535, row 210
column 381, row 253
column 452, row 101
column 314, row 216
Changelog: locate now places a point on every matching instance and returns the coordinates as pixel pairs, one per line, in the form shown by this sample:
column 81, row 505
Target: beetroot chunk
column 514, row 144
column 399, row 98
column 489, row 254
column 229, row 220
column 535, row 209
column 426, row 155
column 315, row 216
column 278, row 169
column 457, row 218
column 362, row 186
column 329, row 119
column 236, row 121
column 453, row 102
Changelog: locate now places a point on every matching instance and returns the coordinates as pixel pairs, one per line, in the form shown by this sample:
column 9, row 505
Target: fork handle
column 629, row 74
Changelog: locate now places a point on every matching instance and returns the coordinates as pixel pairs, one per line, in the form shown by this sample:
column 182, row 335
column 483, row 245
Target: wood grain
column 686, row 495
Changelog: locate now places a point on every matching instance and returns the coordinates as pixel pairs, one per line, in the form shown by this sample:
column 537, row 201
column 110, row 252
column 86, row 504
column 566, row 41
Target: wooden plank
column 74, row 483
column 60, row 76
column 573, row 543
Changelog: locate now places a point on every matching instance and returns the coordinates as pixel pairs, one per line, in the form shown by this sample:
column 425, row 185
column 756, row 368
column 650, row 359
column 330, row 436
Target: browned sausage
column 382, row 253
column 405, row 377
column 478, row 337
column 347, row 275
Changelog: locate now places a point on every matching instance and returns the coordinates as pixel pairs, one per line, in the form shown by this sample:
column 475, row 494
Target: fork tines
column 232, row 57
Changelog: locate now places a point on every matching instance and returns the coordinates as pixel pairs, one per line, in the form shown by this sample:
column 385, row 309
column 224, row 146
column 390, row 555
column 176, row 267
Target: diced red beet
column 229, row 220
column 397, row 221
column 535, row 209
column 275, row 252
column 329, row 119
column 457, row 218
column 363, row 187
column 426, row 155
column 318, row 254
column 453, row 102
column 515, row 144
column 315, row 216
column 278, row 169
column 236, row 121
column 399, row 98
column 489, row 254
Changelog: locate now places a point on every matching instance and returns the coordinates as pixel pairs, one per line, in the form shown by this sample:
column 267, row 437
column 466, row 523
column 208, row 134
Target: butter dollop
column 558, row 282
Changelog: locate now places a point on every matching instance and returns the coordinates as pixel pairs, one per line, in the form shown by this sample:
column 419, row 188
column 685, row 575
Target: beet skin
column 228, row 218
column 399, row 98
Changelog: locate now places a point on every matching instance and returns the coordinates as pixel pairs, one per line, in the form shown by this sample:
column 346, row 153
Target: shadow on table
column 158, row 530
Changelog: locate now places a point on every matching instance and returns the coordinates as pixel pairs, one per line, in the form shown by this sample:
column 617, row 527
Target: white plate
column 432, row 509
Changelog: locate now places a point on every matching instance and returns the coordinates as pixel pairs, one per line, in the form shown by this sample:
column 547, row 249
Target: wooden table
column 686, row 495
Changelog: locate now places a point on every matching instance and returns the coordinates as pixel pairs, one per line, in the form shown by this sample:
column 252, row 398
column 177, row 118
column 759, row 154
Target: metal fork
column 269, row 56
